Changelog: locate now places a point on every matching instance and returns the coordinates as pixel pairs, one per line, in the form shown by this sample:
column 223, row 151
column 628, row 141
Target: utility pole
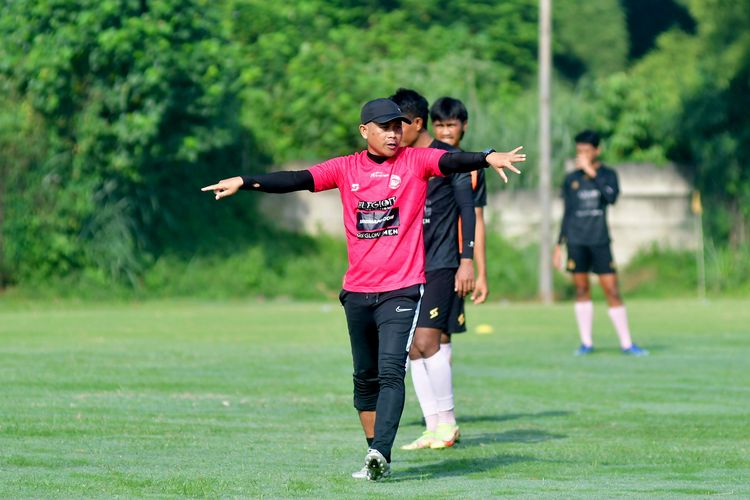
column 545, row 177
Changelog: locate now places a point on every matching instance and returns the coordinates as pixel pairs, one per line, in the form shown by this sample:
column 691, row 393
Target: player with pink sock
column 587, row 192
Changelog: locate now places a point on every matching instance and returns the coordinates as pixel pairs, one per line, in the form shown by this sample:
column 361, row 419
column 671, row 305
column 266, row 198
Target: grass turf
column 254, row 399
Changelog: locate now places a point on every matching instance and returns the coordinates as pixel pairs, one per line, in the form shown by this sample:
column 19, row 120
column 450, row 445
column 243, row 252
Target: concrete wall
column 654, row 207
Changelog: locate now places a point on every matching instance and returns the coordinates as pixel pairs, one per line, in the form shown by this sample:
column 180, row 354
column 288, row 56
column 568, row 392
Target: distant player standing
column 449, row 271
column 587, row 192
column 383, row 192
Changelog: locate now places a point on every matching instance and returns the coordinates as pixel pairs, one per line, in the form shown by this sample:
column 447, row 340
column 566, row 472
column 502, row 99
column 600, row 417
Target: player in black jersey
column 450, row 276
column 449, row 122
column 587, row 192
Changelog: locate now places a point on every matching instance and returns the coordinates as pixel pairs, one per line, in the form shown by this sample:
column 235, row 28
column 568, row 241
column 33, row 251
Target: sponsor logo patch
column 355, row 187
column 377, row 218
column 571, row 264
column 375, row 205
column 434, row 313
column 372, row 220
column 400, row 309
column 377, row 234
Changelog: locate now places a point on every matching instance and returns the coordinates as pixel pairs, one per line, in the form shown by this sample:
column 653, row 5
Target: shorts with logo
column 457, row 320
column 441, row 306
column 590, row 258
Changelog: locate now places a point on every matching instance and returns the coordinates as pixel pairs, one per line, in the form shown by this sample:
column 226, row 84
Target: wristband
column 487, row 152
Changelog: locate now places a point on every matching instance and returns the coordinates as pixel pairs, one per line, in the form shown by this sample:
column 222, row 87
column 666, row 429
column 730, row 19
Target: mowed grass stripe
column 186, row 398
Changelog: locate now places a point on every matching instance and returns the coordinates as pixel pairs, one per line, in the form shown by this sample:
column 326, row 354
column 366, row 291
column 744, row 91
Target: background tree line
column 114, row 112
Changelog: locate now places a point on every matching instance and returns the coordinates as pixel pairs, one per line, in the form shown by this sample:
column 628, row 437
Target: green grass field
column 253, row 399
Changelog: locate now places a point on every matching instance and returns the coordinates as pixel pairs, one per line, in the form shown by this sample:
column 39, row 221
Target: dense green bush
column 663, row 273
column 134, row 108
column 276, row 265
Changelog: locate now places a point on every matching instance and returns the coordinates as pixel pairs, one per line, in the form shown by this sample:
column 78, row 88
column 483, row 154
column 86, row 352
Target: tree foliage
column 590, row 37
column 685, row 102
column 114, row 112
column 308, row 68
column 132, row 98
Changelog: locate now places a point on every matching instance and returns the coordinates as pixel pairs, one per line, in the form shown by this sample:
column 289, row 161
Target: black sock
column 369, row 442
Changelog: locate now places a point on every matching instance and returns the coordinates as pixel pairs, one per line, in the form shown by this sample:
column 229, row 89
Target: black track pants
column 381, row 327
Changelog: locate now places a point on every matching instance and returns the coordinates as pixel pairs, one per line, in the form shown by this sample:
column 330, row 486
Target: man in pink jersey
column 383, row 191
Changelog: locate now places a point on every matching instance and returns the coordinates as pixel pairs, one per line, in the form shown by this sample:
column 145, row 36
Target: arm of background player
column 567, row 209
column 608, row 186
column 464, row 197
column 562, row 238
column 481, row 291
column 275, row 182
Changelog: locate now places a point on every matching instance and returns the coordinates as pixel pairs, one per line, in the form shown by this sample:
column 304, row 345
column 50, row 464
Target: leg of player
column 440, row 372
column 363, row 335
column 431, row 374
column 424, row 346
column 446, row 346
column 584, row 310
column 395, row 315
column 618, row 314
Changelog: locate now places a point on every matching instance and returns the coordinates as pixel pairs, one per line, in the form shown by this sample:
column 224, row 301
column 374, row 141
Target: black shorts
column 441, row 307
column 457, row 319
column 590, row 258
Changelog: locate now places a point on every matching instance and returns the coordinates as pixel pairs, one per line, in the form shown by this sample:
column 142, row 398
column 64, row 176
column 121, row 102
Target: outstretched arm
column 275, row 182
column 451, row 163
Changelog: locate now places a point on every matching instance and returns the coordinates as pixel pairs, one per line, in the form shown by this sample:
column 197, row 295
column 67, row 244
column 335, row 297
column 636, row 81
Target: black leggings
column 381, row 327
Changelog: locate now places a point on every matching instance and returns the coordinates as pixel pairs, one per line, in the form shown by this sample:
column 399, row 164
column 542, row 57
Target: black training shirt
column 586, row 199
column 447, row 198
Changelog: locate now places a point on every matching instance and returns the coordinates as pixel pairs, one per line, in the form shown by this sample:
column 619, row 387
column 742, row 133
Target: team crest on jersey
column 575, row 185
column 434, row 313
column 395, row 181
column 355, row 187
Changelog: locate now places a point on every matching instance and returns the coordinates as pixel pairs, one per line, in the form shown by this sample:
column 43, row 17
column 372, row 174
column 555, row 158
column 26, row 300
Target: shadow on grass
column 512, row 436
column 458, row 467
column 468, row 419
column 616, row 351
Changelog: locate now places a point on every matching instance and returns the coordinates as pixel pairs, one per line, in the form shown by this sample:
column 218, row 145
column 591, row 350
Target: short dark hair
column 448, row 108
column 412, row 104
column 588, row 137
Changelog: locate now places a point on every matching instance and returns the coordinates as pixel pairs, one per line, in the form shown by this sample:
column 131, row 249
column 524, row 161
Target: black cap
column 382, row 111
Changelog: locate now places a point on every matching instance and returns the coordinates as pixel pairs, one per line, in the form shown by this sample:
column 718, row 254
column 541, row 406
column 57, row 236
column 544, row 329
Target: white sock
column 619, row 317
column 439, row 372
column 425, row 394
column 448, row 350
column 585, row 320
